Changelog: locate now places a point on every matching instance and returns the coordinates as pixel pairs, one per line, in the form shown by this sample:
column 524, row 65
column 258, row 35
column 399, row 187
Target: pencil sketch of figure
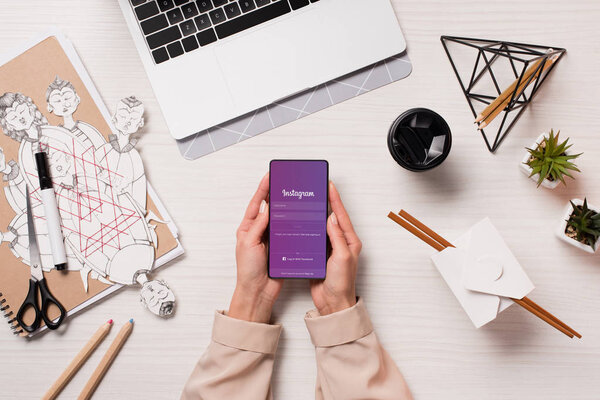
column 63, row 100
column 128, row 170
column 123, row 170
column 106, row 232
column 21, row 120
column 61, row 168
column 157, row 296
column 122, row 165
column 122, row 247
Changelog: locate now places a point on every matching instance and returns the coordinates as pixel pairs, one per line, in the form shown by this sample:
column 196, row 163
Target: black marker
column 51, row 210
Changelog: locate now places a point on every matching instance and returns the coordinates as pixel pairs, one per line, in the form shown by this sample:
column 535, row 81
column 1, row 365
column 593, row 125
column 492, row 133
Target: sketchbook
column 115, row 228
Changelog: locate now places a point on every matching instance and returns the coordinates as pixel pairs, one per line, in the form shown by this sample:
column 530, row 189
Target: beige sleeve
column 351, row 363
column 238, row 363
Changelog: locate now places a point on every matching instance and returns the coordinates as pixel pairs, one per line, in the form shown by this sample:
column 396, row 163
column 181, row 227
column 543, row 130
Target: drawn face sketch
column 157, row 296
column 61, row 167
column 62, row 98
column 18, row 115
column 129, row 117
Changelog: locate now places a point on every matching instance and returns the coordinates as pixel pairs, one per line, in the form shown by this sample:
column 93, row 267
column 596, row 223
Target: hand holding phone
column 255, row 293
column 338, row 291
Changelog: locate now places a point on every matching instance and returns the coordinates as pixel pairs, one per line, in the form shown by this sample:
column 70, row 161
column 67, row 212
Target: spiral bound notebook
column 102, row 219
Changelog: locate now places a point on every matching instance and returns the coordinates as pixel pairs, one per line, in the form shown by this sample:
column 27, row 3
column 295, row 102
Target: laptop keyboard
column 176, row 27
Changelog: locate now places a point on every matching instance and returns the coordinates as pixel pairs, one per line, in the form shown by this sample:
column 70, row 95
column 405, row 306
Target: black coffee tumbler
column 419, row 140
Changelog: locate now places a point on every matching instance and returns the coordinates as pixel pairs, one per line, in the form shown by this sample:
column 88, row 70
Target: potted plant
column 548, row 161
column 581, row 226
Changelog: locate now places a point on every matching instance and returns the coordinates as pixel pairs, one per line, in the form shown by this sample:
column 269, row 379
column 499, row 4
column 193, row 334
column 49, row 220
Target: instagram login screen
column 298, row 219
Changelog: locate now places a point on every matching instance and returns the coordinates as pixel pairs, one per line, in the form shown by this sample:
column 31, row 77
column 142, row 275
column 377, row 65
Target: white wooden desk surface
column 416, row 316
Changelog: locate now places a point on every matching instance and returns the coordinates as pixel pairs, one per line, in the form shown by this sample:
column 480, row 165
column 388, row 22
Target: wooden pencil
column 78, row 361
column 524, row 84
column 106, row 361
column 508, row 92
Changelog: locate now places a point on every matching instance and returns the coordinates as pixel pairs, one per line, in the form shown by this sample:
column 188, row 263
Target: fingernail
column 263, row 205
column 334, row 219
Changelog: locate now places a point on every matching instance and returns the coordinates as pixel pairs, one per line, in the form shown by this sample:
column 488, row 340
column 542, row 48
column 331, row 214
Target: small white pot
column 527, row 169
column 560, row 232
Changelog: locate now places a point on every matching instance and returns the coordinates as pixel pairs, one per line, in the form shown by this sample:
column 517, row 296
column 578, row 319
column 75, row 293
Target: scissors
column 37, row 283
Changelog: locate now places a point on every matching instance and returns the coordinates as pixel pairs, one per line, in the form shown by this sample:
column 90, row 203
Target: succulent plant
column 585, row 223
column 550, row 160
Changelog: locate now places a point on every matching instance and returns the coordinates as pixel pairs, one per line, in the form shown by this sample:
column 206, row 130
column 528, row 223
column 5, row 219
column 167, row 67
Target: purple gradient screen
column 298, row 219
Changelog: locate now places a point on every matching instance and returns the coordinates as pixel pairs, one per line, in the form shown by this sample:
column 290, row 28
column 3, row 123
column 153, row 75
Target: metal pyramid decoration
column 498, row 65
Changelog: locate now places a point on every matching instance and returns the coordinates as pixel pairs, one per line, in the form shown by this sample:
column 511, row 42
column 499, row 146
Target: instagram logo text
column 298, row 194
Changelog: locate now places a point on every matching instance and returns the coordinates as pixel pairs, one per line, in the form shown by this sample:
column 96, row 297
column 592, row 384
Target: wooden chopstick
column 416, row 232
column 425, row 229
column 526, row 303
column 429, row 236
column 558, row 321
column 543, row 317
column 524, row 84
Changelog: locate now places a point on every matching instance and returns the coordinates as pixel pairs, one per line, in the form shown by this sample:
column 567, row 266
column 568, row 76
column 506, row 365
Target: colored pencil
column 78, row 361
column 106, row 361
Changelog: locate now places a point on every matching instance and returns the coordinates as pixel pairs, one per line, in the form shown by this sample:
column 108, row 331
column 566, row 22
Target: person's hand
column 255, row 293
column 337, row 291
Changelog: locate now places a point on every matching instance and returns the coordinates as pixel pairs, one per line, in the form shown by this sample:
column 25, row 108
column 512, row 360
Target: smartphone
column 298, row 198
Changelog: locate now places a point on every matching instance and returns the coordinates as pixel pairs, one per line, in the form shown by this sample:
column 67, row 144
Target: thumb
column 336, row 235
column 259, row 225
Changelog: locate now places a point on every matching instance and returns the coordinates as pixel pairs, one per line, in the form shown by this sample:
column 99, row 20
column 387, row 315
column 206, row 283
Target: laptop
column 210, row 61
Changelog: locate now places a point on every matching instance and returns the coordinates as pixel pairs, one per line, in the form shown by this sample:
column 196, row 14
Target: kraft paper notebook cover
column 101, row 220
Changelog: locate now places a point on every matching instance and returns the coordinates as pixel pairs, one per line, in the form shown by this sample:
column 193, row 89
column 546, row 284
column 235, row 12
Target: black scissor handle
column 30, row 302
column 47, row 300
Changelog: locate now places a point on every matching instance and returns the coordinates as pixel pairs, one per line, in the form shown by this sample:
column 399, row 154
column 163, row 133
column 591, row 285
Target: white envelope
column 483, row 273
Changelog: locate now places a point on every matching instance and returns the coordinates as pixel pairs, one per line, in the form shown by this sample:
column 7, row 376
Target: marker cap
column 43, row 171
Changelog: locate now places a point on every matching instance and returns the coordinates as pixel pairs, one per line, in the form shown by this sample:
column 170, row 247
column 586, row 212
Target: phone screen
column 298, row 218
